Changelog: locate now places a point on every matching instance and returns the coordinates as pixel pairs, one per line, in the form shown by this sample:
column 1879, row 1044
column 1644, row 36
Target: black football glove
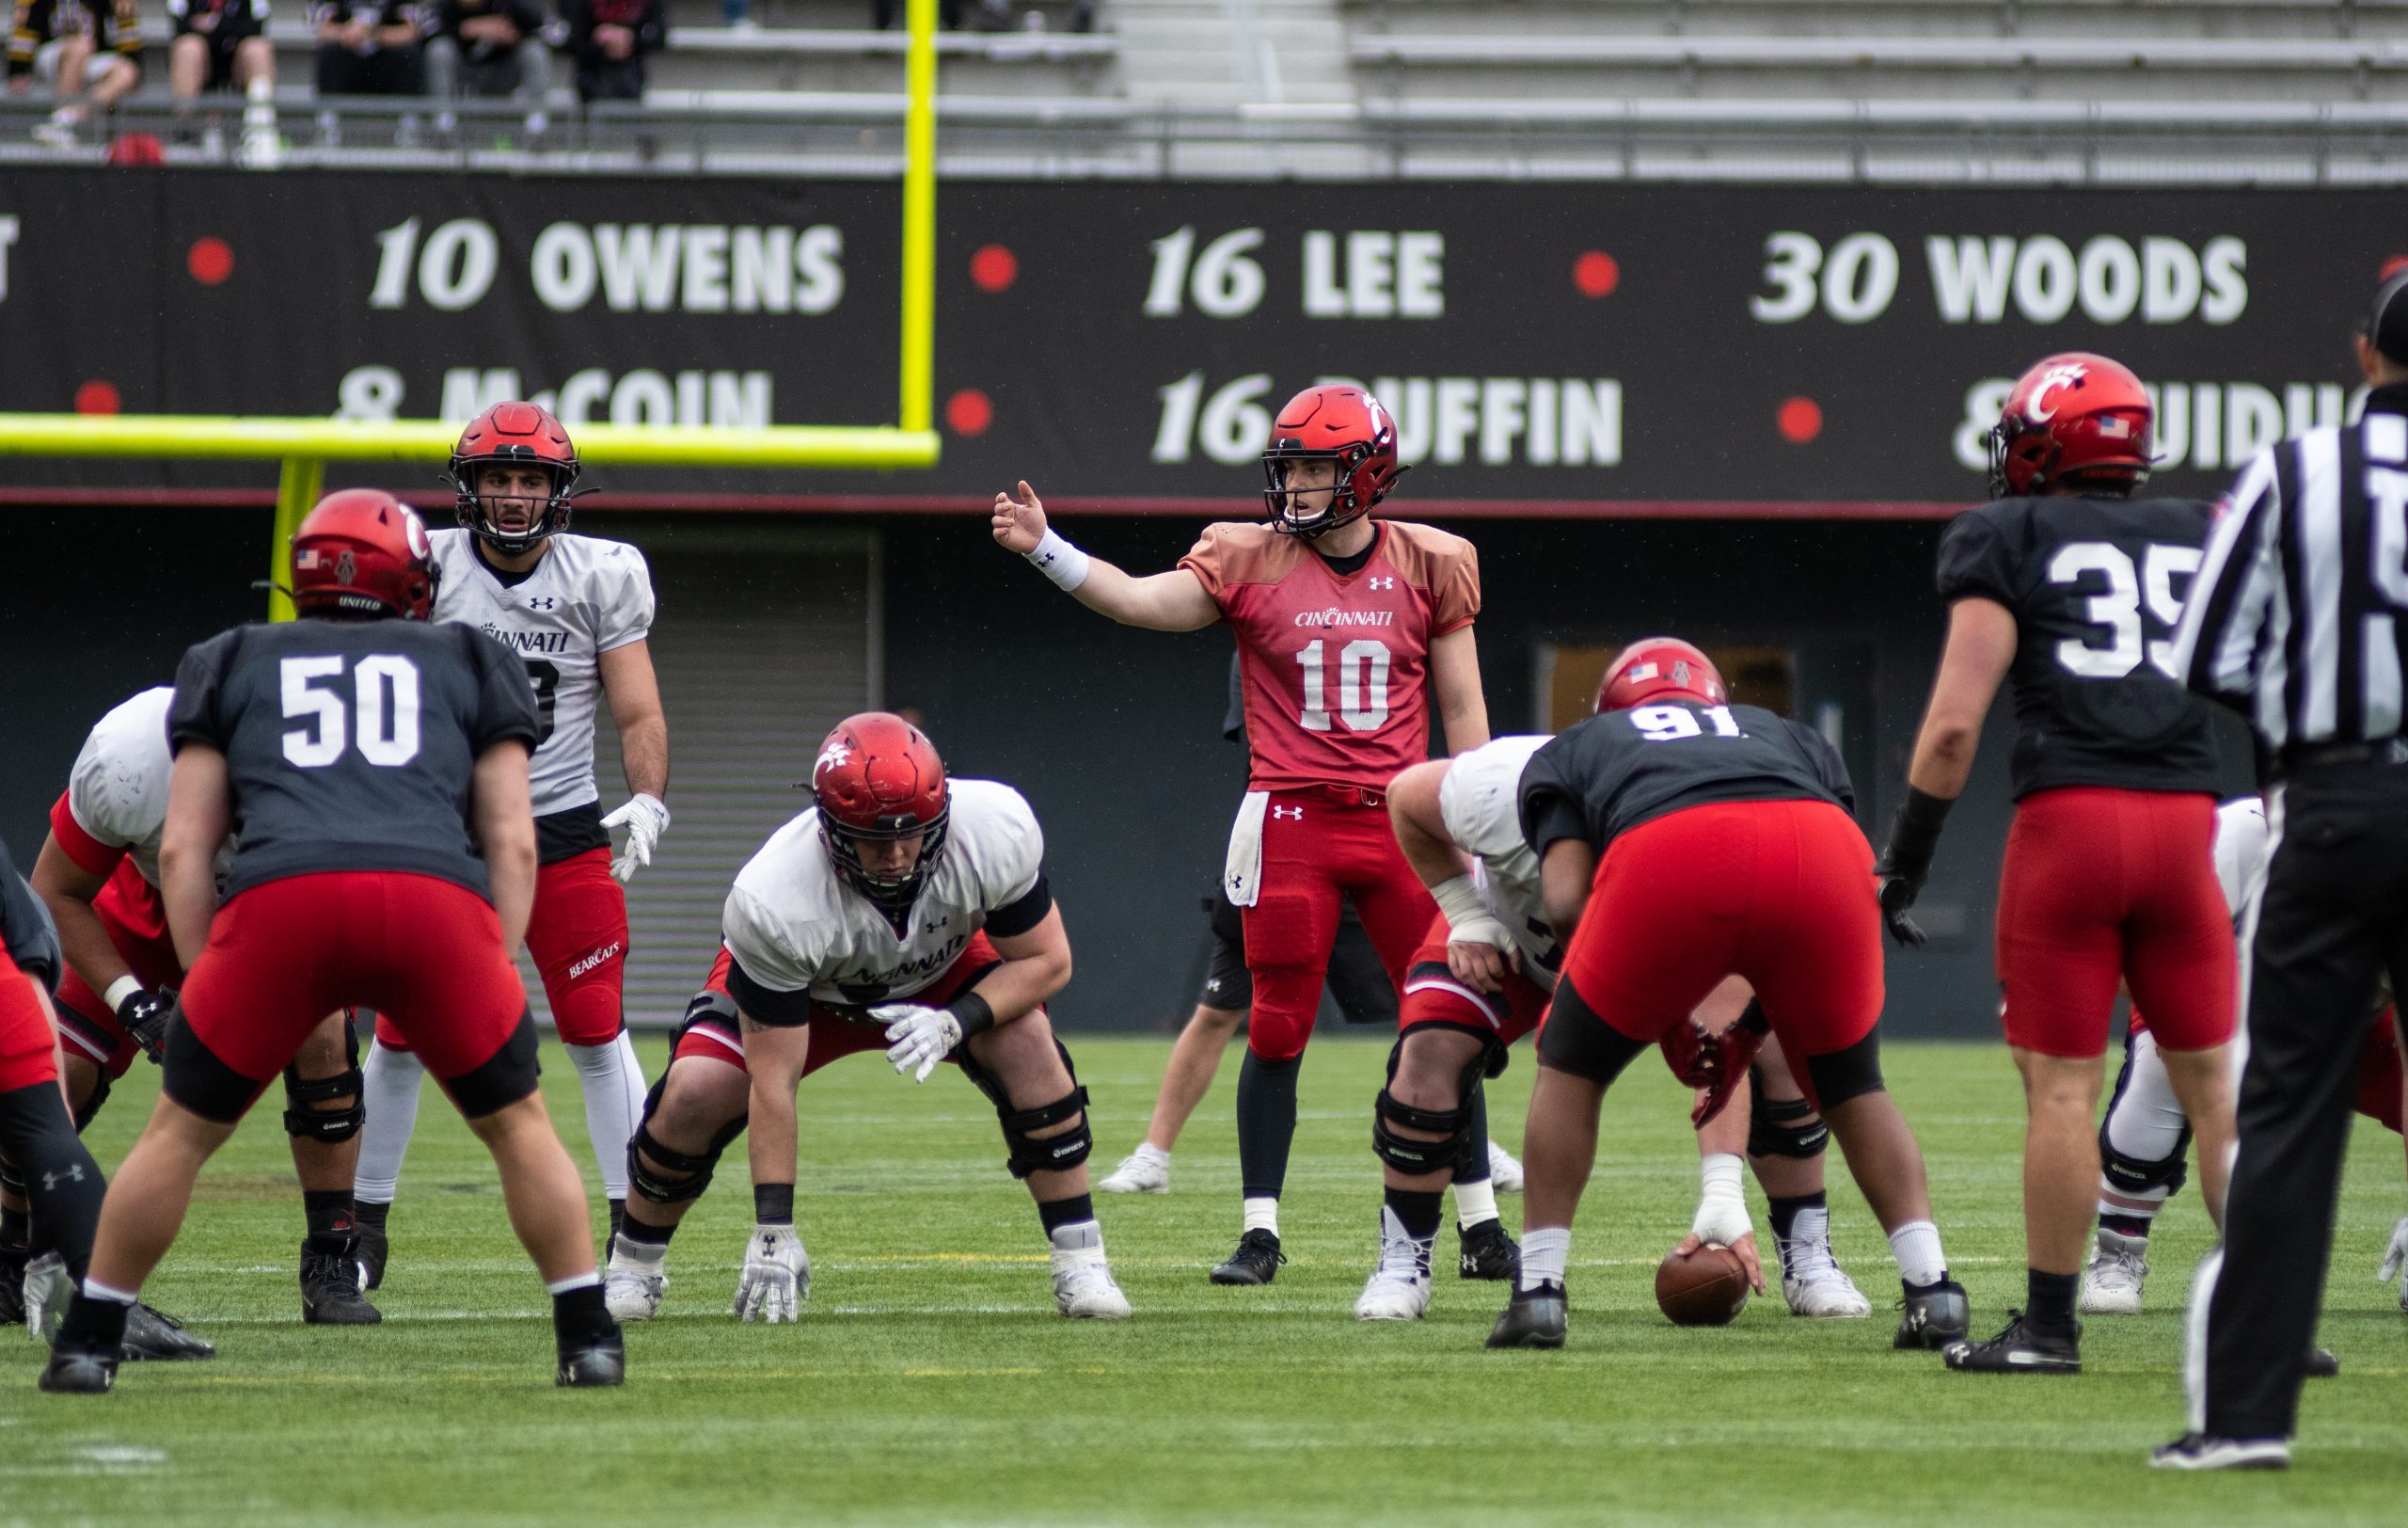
column 1899, row 894
column 1906, row 864
column 143, row 1015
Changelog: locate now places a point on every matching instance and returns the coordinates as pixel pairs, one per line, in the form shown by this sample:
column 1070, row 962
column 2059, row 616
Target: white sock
column 1916, row 1245
column 1475, row 1202
column 390, row 1094
column 1262, row 1215
column 580, row 1280
column 614, row 1105
column 95, row 1290
column 1544, row 1252
column 1077, row 1236
column 1148, row 1151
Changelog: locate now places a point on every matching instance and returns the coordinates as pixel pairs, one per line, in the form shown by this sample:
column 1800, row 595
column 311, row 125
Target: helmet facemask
column 892, row 895
column 550, row 516
column 1280, row 497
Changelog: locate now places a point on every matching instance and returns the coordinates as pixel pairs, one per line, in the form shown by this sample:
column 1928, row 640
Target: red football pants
column 1322, row 843
column 1433, row 996
column 833, row 1035
column 2101, row 886
column 1779, row 892
column 29, row 1050
column 577, row 935
column 424, row 953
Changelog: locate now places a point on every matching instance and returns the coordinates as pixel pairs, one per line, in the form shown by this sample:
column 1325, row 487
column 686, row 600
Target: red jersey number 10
column 1362, row 685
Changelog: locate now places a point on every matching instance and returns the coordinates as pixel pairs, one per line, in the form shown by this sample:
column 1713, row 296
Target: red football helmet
column 513, row 432
column 1337, row 423
column 879, row 777
column 1655, row 668
column 363, row 552
column 2073, row 417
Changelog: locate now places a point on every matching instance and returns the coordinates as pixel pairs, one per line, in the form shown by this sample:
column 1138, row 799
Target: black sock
column 2049, row 1300
column 618, row 1215
column 579, row 1315
column 333, row 1226
column 636, row 1231
column 1416, row 1211
column 93, row 1326
column 1266, row 1124
column 1472, row 1166
column 16, row 1229
column 1784, row 1212
column 2125, row 1225
column 371, row 1214
column 1066, row 1212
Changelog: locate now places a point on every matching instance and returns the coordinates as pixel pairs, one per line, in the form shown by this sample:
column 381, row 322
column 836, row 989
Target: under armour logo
column 1384, row 583
column 934, row 924
column 541, row 602
column 1294, row 814
column 74, row 1173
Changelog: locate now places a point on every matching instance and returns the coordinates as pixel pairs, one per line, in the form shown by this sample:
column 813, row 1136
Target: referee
column 2299, row 618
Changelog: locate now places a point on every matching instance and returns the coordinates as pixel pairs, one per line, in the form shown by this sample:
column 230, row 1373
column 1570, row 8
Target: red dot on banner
column 211, row 261
column 96, row 397
column 969, row 412
column 994, row 267
column 1800, row 420
column 2393, row 266
column 1597, row 273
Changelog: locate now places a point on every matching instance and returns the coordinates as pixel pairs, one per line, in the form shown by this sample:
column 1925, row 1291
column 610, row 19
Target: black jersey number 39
column 2136, row 611
column 547, row 681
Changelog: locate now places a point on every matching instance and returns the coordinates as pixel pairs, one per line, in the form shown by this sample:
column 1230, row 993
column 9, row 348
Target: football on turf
column 1703, row 1288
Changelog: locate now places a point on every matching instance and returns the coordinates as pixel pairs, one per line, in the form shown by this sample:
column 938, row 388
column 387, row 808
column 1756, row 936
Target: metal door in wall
column 768, row 633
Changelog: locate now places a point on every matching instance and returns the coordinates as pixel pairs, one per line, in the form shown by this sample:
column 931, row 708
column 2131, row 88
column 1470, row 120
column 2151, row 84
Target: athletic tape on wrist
column 1459, row 900
column 121, row 989
column 1059, row 561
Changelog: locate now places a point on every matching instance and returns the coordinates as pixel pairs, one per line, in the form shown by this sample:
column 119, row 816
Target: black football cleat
column 2198, row 1451
column 1487, row 1251
column 372, row 1249
column 2322, row 1364
column 1937, row 1315
column 154, row 1337
column 2019, row 1349
column 77, row 1371
column 1257, row 1260
column 330, row 1293
column 12, row 1286
column 1533, row 1319
column 593, row 1362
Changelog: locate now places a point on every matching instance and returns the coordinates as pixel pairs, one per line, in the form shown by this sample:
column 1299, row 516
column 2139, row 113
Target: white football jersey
column 2241, row 850
column 793, row 925
column 1479, row 802
column 584, row 599
column 117, row 791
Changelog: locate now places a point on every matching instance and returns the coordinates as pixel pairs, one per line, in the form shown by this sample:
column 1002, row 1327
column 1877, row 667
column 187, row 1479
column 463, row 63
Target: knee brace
column 1778, row 1127
column 2144, row 1179
column 92, row 1104
column 1054, row 1154
column 678, row 1177
column 331, row 1126
column 1453, row 1126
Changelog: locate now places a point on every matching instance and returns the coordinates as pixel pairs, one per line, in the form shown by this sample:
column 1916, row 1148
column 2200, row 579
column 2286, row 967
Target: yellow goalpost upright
column 304, row 445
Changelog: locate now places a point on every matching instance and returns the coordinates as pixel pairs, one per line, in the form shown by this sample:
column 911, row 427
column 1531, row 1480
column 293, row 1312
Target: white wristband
column 1059, row 561
column 1459, row 900
column 121, row 989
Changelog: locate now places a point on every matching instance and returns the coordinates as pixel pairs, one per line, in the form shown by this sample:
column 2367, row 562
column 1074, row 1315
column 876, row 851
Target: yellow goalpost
column 304, row 446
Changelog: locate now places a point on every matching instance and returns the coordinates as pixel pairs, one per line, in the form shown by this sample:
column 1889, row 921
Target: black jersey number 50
column 381, row 721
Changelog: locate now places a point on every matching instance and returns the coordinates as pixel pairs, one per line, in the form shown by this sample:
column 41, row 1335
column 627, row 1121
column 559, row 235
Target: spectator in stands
column 609, row 39
column 217, row 44
column 89, row 51
column 492, row 47
column 369, row 47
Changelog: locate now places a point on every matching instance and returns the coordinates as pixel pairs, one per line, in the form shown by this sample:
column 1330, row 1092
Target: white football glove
column 917, row 1038
column 47, row 1289
column 776, row 1278
column 646, row 817
column 2394, row 1258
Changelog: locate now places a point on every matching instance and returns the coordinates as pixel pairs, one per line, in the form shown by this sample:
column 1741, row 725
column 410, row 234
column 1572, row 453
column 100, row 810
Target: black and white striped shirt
column 2298, row 616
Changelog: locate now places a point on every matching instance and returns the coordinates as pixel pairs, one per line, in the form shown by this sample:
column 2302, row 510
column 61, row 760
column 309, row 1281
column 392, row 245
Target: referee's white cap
column 2387, row 321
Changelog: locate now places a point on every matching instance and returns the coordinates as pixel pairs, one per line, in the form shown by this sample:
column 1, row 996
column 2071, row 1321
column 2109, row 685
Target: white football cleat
column 1084, row 1288
column 1504, row 1174
column 1815, row 1284
column 1142, row 1171
column 633, row 1293
column 2112, row 1285
column 1399, row 1288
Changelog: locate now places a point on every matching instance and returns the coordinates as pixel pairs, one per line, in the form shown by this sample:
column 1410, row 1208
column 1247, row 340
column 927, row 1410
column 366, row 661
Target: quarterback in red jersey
column 1343, row 622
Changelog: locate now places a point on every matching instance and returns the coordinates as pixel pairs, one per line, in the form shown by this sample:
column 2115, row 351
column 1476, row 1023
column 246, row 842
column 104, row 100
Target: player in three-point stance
column 578, row 611
column 378, row 768
column 1343, row 624
column 98, row 872
column 2072, row 589
column 1682, row 840
column 1481, row 982
column 37, row 1133
column 903, row 910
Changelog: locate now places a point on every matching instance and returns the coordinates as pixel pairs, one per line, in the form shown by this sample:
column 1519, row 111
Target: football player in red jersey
column 2067, row 586
column 1341, row 621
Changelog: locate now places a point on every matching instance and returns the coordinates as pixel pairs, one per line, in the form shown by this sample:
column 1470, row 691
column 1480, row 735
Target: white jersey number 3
column 383, row 699
column 1362, row 686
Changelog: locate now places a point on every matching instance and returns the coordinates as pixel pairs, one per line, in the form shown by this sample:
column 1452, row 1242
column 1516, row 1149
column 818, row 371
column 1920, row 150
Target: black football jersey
column 2097, row 587
column 25, row 928
column 1605, row 776
column 352, row 745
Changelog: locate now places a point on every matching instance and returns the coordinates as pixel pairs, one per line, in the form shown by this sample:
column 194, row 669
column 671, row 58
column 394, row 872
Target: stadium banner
column 1544, row 347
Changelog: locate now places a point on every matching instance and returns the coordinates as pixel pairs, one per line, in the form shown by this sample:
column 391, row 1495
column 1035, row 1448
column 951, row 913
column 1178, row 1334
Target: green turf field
column 930, row 1382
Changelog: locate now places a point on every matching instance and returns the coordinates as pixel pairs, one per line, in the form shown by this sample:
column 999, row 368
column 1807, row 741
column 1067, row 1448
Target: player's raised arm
column 1172, row 601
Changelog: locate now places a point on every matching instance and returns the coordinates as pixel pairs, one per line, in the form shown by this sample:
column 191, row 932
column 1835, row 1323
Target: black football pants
column 2332, row 914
